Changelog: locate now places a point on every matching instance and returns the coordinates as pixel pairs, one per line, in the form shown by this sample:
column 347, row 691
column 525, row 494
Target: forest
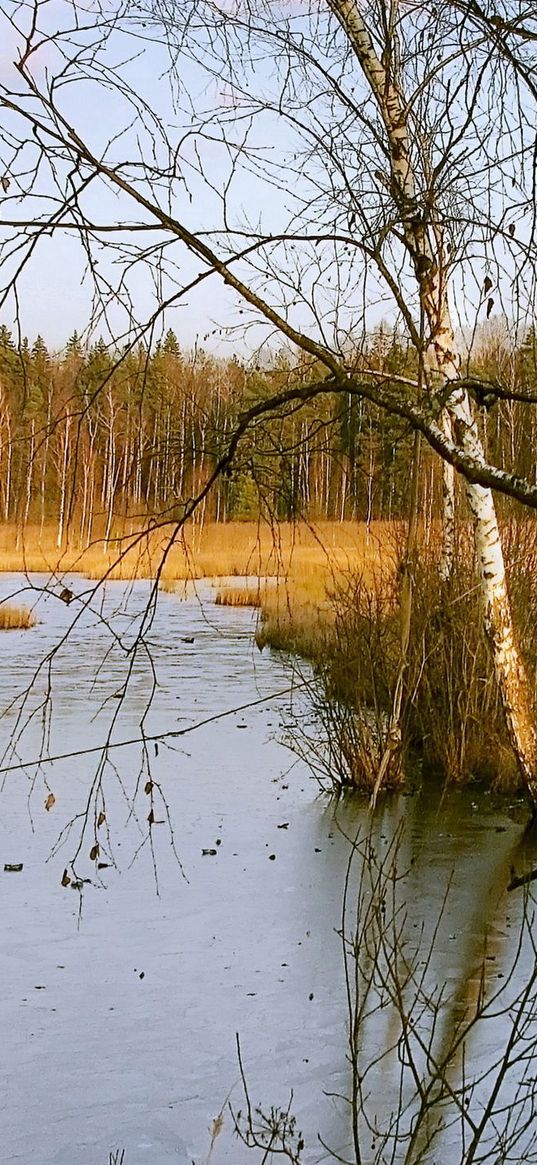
column 92, row 436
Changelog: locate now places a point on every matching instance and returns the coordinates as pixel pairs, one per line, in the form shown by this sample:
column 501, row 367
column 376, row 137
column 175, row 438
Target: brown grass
column 240, row 597
column 452, row 718
column 300, row 552
column 16, row 618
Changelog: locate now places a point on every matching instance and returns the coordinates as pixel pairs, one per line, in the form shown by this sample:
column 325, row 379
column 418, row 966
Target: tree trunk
column 511, row 675
column 422, row 236
column 29, row 477
column 447, row 552
column 9, row 461
column 63, row 481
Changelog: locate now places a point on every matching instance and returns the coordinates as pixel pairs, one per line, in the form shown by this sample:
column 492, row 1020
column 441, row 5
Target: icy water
column 119, row 1023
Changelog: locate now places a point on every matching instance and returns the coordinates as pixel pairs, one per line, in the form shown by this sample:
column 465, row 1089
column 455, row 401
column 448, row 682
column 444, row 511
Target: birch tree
column 411, row 171
column 326, row 162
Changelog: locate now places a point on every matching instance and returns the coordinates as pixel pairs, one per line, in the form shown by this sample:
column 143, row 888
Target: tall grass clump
column 239, row 597
column 452, row 723
column 14, row 618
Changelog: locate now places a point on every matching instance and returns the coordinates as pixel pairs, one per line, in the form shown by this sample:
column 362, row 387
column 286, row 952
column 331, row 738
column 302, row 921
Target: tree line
column 92, row 435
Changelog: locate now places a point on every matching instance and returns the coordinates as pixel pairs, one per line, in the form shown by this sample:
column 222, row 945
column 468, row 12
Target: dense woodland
column 92, row 435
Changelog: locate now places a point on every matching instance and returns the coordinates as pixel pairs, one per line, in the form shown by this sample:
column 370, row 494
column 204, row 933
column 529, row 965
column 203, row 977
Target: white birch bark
column 423, row 241
column 84, row 506
column 29, row 476
column 447, row 552
column 44, row 462
column 9, row 444
column 86, row 525
column 138, row 470
column 63, row 481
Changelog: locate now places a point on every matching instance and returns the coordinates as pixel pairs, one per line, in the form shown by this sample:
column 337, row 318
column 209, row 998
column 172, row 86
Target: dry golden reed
column 302, row 561
column 14, row 618
column 214, row 550
column 239, row 597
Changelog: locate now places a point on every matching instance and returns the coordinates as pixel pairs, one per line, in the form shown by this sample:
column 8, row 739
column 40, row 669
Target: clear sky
column 55, row 288
column 324, row 186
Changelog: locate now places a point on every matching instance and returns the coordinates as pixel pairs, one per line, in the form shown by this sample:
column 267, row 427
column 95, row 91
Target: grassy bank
column 347, row 623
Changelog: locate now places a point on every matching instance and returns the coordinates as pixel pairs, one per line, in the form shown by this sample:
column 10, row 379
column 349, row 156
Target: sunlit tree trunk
column 423, row 240
column 90, row 473
column 63, row 481
column 182, row 444
column 447, row 551
column 8, row 461
column 44, row 462
column 138, row 467
column 85, row 498
column 29, row 476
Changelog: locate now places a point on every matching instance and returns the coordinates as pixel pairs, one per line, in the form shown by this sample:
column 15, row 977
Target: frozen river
column 118, row 1027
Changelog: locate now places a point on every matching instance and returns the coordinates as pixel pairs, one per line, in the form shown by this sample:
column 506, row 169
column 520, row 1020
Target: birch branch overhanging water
column 412, row 126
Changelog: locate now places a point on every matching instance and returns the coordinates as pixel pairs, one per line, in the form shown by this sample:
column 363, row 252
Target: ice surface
column 94, row 1057
column 118, row 1030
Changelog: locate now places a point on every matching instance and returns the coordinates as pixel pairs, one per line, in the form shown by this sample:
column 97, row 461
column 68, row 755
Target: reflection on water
column 121, row 1031
column 446, row 984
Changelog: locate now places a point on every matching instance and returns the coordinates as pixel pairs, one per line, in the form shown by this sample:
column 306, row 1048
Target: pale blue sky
column 54, row 291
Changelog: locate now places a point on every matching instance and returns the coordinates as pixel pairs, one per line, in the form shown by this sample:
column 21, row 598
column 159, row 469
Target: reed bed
column 223, row 550
column 296, row 614
column 452, row 722
column 13, row 618
column 240, row 597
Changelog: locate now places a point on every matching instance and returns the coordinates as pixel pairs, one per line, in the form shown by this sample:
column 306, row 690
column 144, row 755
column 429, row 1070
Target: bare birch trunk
column 44, row 462
column 86, row 525
column 138, row 469
column 447, row 552
column 63, row 482
column 422, row 236
column 84, row 506
column 511, row 675
column 91, row 511
column 7, row 505
column 29, row 478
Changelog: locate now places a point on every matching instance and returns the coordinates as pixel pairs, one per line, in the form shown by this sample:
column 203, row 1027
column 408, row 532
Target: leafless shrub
column 272, row 1132
column 452, row 721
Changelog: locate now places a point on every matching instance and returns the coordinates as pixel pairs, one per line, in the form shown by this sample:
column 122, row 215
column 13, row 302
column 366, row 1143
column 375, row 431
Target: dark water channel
column 119, row 1029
